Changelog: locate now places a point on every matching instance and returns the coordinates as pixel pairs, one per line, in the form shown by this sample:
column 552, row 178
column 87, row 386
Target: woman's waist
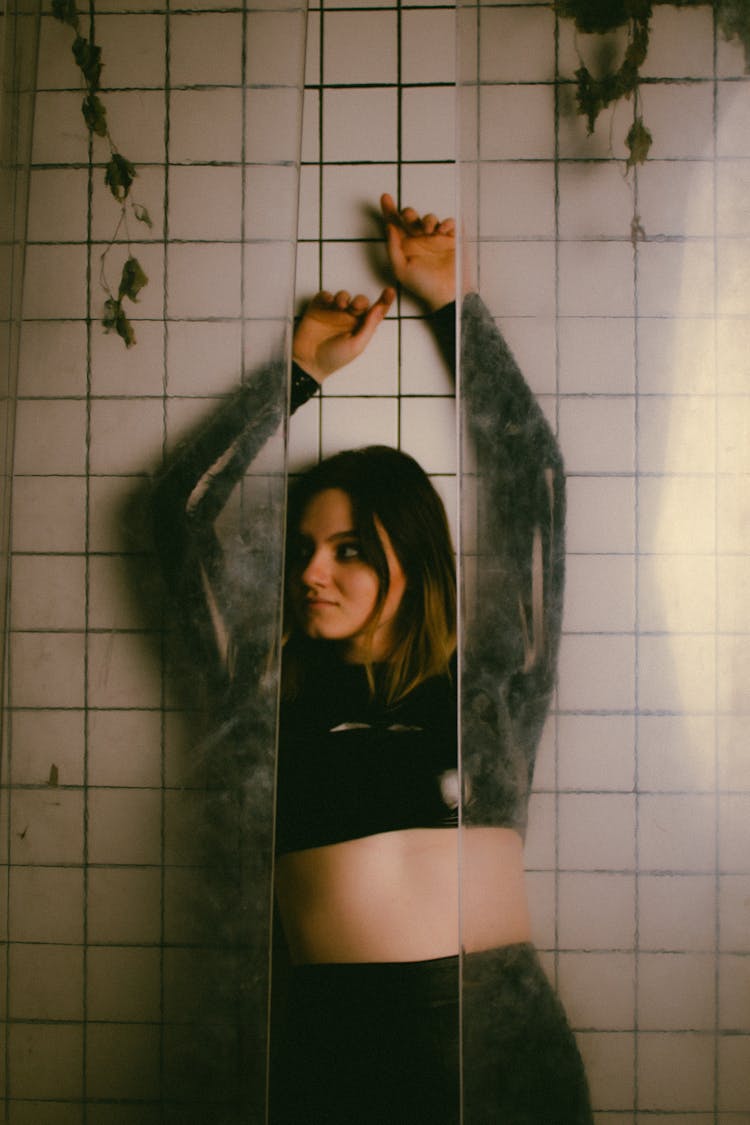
column 409, row 895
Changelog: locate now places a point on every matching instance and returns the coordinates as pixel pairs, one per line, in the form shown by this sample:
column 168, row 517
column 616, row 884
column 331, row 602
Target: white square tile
column 46, row 904
column 676, row 593
column 676, row 673
column 55, row 66
column 428, row 127
column 734, row 604
column 734, row 911
column 423, row 368
column 597, row 911
column 677, row 514
column 734, row 992
column 58, row 202
column 601, row 514
column 734, row 762
column 608, row 1058
column 732, row 278
column 731, row 131
column 60, row 133
column 676, row 434
column 45, row 740
column 540, row 886
column 271, row 199
column 596, row 355
column 596, row 201
column 309, row 217
column 47, row 670
column 126, row 436
column 375, row 372
column 304, row 438
column 596, row 752
column 55, row 282
column 517, row 45
column 205, row 203
column 124, row 904
column 678, row 356
column 609, row 265
column 124, row 826
column 675, row 1071
column 350, row 424
column 677, row 912
column 275, row 48
column 539, row 845
column 136, row 118
column 360, row 47
column 203, row 281
column 518, row 278
column 312, row 56
column 597, row 831
column 676, row 199
column 517, row 200
column 46, row 982
column 734, row 514
column 50, row 436
column 599, row 594
column 272, row 125
column 677, row 833
column 350, row 199
column 116, row 370
column 428, row 432
column 206, row 49
column 502, row 111
column 307, row 274
column 356, row 266
column 597, row 435
column 428, row 52
column 430, row 187
column 52, row 360
column 310, row 148
column 734, row 1066
column 347, row 138
column 680, row 119
column 203, row 357
column 680, row 44
column 734, row 434
column 205, row 125
column 676, row 992
column 133, row 48
column 596, row 673
column 734, row 849
column 447, row 489
column 47, row 592
column 124, row 748
column 124, row 592
column 269, row 279
column 123, row 671
column 675, row 279
column 598, row 990
column 49, row 514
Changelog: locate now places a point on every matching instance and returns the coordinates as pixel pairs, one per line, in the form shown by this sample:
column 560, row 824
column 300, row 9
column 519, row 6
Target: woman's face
column 334, row 590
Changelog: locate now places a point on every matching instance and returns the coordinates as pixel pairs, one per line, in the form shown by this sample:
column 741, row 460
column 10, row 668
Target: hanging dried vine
column 119, row 174
column 602, row 16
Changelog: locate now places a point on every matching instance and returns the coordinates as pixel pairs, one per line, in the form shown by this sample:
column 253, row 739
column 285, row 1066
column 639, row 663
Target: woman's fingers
column 409, row 220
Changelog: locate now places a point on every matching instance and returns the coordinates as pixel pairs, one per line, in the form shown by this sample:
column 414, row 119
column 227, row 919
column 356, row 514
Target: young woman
column 367, row 839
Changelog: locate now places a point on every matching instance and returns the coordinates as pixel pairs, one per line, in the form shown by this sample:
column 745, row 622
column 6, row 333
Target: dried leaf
column 733, row 17
column 65, row 11
column 115, row 318
column 119, row 175
column 95, row 115
column 133, row 279
column 54, row 776
column 89, row 59
column 142, row 215
column 594, row 15
column 639, row 141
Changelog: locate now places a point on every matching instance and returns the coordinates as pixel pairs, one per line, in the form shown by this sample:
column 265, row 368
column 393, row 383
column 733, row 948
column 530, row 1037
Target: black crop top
column 349, row 767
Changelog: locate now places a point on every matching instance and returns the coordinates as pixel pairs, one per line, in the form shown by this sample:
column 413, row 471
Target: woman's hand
column 422, row 253
column 334, row 330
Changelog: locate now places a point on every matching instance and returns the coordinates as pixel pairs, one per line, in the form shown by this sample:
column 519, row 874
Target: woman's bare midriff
column 395, row 896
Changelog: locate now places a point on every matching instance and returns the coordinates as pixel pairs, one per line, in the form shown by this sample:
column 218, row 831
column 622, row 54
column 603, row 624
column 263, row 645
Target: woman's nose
column 316, row 571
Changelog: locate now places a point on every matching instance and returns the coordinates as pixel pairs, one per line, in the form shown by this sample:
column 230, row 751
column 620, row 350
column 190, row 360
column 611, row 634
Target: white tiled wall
column 639, row 847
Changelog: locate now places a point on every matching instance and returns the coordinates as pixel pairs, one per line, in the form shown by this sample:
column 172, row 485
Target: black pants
column 378, row 1044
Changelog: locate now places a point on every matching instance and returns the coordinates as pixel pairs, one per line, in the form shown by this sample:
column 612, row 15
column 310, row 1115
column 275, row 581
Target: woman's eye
column 348, row 551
